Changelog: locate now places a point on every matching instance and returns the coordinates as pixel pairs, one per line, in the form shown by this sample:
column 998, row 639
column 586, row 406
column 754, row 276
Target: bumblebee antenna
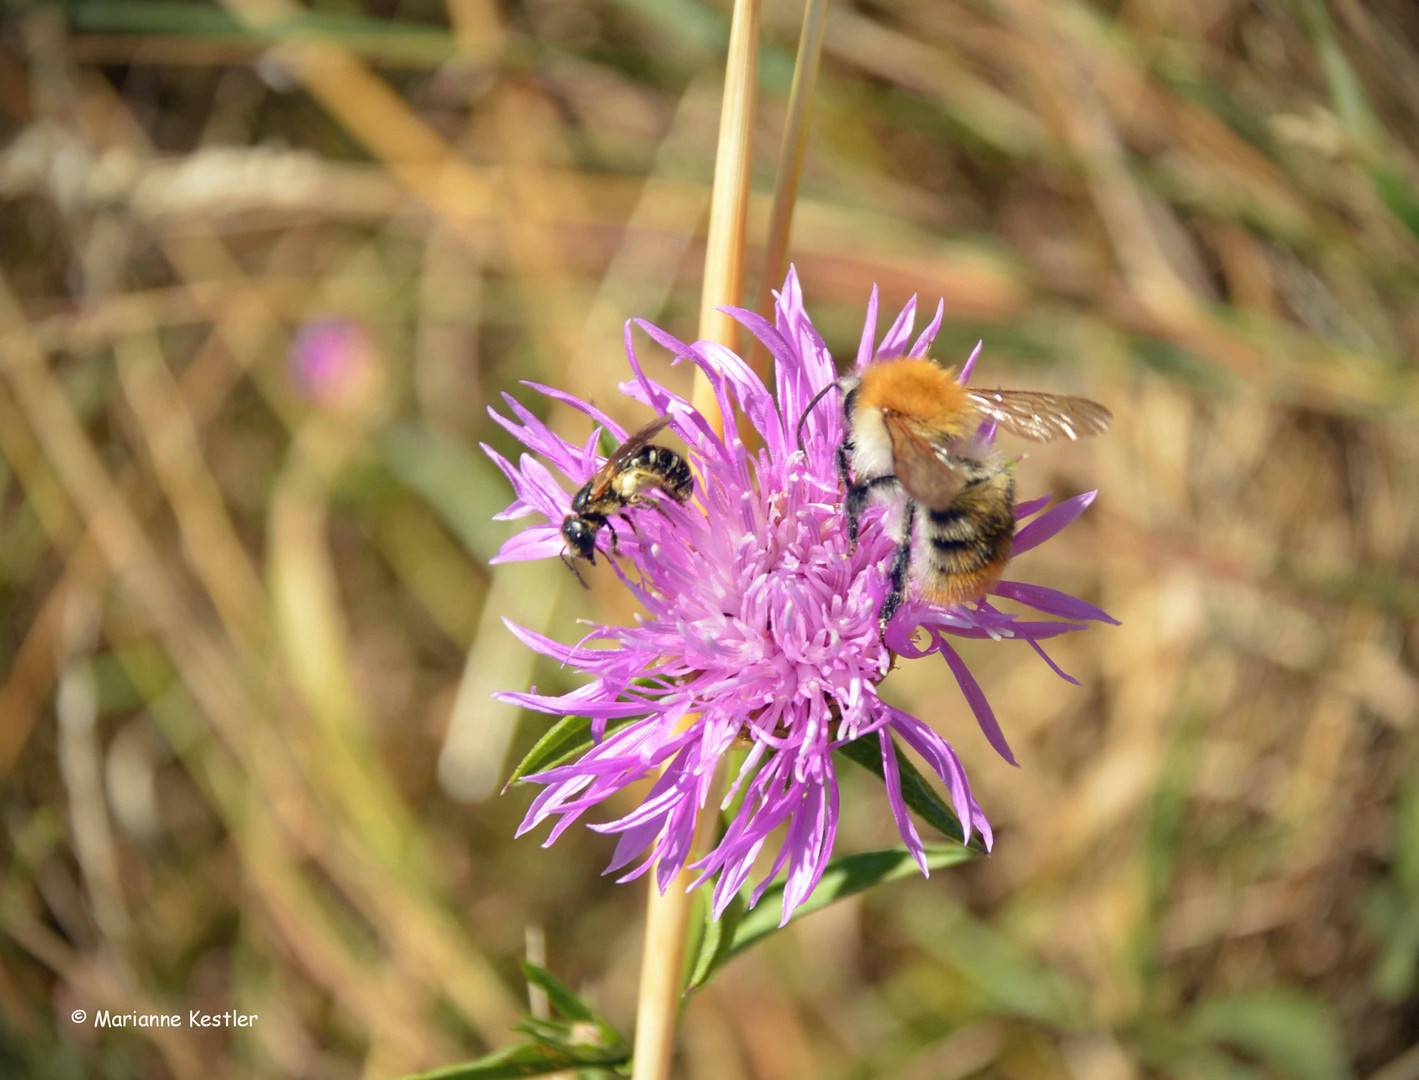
column 809, row 408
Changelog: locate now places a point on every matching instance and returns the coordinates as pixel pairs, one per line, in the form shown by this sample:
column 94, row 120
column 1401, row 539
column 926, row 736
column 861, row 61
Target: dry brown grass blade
column 204, row 667
column 209, row 535
column 375, row 116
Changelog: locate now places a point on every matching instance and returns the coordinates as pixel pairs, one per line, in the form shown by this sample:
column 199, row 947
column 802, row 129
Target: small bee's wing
column 1042, row 417
column 921, row 464
column 600, row 481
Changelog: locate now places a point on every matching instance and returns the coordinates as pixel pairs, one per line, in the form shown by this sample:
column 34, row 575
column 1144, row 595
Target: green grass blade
column 844, row 877
column 1295, row 1034
column 916, row 791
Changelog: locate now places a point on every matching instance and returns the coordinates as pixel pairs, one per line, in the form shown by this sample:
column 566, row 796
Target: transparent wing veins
column 1039, row 416
column 601, row 480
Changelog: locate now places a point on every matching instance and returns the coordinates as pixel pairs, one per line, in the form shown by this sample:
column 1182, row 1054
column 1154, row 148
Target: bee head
column 580, row 536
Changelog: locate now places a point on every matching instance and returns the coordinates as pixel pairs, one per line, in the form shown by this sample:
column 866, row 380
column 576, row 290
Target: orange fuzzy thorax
column 920, row 389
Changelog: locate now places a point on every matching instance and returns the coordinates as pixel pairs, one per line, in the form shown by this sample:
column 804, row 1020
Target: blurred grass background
column 262, row 269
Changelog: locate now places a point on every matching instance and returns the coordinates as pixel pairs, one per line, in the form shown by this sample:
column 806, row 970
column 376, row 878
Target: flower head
column 334, row 363
column 761, row 622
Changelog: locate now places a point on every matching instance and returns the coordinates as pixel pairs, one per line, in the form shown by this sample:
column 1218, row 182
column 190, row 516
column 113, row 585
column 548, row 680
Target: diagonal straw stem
column 729, row 200
column 790, row 165
column 667, row 914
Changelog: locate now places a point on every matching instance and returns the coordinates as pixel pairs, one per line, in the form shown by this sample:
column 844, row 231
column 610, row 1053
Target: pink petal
column 976, row 698
column 1047, row 525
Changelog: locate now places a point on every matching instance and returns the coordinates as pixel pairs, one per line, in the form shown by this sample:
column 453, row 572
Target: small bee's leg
column 571, row 565
column 615, row 540
column 858, row 496
column 901, row 563
column 649, row 503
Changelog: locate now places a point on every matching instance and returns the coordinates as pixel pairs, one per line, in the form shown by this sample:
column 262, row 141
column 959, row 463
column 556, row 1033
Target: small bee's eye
column 579, row 502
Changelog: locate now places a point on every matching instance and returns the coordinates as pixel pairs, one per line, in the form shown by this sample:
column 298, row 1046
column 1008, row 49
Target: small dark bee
column 625, row 479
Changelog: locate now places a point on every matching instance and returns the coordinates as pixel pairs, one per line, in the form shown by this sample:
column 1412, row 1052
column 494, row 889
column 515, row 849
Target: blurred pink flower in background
column 335, row 363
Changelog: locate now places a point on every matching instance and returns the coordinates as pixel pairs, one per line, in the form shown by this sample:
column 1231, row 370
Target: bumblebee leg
column 858, row 496
column 901, row 563
column 571, row 565
column 855, row 505
column 846, row 447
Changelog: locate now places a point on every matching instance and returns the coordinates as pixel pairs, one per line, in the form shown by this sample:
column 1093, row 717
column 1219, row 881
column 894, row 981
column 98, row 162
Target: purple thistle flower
column 761, row 627
column 333, row 362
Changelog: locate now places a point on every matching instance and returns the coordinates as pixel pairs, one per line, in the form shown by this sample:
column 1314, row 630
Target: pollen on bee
column 917, row 388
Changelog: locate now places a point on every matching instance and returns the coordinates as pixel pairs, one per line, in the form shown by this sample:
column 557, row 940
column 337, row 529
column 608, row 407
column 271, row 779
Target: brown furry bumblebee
column 909, row 430
column 625, row 479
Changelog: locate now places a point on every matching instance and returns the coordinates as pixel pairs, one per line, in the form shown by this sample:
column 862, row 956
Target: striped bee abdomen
column 967, row 543
column 656, row 467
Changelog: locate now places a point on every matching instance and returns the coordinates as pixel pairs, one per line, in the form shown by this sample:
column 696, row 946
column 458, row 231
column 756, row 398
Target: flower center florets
column 803, row 600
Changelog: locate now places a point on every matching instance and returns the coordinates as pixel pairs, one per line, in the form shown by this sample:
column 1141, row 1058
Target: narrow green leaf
column 1010, row 976
column 385, row 38
column 569, row 735
column 559, row 995
column 1397, row 192
column 844, row 877
column 606, row 443
column 717, row 940
column 1347, row 94
column 583, row 1040
column 699, row 931
column 567, row 738
column 1293, row 1033
column 1176, row 1052
column 1406, row 840
column 530, row 1059
column 918, row 793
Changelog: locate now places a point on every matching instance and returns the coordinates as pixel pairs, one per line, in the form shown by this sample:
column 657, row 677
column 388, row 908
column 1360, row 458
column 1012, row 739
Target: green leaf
column 1010, row 976
column 569, row 735
column 918, row 793
column 740, row 928
column 566, row 739
column 1293, row 1033
column 583, row 1041
column 386, row 38
column 716, row 941
column 530, row 1059
column 560, row 996
column 1174, row 1052
column 606, row 443
column 1406, row 840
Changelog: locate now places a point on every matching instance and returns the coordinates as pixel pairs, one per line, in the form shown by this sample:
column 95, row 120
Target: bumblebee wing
column 1042, row 417
column 600, row 481
column 921, row 464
